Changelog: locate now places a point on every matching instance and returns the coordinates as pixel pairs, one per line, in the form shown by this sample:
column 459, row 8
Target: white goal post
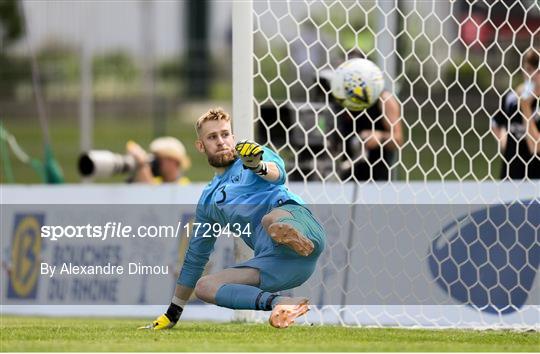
column 400, row 252
column 242, row 104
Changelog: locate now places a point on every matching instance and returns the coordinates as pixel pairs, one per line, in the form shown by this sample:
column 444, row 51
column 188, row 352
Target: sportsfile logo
column 25, row 254
column 113, row 229
column 489, row 258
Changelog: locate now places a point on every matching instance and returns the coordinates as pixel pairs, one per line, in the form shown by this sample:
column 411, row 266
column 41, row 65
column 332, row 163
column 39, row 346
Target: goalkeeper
column 248, row 188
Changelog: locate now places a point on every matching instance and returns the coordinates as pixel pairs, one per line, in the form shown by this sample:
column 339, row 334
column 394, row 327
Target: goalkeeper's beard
column 222, row 160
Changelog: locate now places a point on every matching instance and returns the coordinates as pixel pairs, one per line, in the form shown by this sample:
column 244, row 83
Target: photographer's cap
column 168, row 146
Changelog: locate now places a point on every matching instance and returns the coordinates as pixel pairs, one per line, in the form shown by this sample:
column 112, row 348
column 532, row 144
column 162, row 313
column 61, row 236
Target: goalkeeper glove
column 251, row 155
column 167, row 320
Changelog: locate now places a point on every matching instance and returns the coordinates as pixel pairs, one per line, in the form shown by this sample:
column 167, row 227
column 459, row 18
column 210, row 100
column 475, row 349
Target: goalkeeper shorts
column 282, row 268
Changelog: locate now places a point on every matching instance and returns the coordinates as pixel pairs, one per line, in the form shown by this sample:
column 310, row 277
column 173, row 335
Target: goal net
column 421, row 231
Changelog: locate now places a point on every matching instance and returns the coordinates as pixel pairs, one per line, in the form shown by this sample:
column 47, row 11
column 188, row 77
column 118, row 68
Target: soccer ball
column 357, row 84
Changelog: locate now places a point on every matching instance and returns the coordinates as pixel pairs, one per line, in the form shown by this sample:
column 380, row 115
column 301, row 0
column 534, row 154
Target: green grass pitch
column 100, row 334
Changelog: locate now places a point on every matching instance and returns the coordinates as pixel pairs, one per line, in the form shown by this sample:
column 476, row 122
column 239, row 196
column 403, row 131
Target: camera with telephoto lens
column 103, row 163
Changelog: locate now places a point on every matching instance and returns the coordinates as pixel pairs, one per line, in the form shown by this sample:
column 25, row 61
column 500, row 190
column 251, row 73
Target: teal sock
column 245, row 297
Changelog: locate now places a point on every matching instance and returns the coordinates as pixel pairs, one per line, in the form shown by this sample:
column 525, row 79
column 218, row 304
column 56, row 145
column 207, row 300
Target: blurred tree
column 58, row 63
column 12, row 70
column 117, row 64
column 11, row 26
column 198, row 61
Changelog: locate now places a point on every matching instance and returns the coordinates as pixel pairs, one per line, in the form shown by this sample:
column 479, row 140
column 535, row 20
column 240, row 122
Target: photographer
column 516, row 125
column 170, row 164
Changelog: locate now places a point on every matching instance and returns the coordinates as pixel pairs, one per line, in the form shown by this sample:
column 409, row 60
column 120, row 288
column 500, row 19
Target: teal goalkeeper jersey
column 238, row 196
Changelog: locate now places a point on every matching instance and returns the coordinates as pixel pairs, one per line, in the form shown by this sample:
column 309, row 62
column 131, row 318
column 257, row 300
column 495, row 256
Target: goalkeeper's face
column 217, row 142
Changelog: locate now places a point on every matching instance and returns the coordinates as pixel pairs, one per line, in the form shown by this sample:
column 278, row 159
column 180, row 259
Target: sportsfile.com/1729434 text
column 114, row 229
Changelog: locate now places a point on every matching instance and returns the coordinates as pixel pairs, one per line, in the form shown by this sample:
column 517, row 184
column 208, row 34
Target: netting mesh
column 449, row 64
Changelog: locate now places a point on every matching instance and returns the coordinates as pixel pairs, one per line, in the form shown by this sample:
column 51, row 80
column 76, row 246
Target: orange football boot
column 284, row 313
column 287, row 235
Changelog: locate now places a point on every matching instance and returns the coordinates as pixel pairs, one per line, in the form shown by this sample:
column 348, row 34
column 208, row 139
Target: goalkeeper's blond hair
column 212, row 114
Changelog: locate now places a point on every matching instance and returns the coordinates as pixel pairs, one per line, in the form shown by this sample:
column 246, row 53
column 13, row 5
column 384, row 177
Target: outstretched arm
column 273, row 174
column 251, row 154
column 197, row 255
column 183, row 292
